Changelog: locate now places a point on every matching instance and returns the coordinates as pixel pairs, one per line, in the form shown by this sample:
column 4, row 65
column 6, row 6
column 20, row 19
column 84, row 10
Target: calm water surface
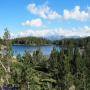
column 46, row 49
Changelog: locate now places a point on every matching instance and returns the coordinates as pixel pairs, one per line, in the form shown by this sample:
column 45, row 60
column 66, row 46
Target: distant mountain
column 60, row 37
column 45, row 38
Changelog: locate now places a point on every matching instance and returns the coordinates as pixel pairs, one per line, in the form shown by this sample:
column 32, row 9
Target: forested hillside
column 80, row 42
column 31, row 41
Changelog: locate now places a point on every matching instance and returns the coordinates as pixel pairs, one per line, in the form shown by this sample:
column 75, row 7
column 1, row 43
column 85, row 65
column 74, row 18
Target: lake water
column 46, row 49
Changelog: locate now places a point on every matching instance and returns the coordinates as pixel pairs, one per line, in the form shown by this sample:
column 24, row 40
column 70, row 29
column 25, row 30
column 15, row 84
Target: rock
column 72, row 87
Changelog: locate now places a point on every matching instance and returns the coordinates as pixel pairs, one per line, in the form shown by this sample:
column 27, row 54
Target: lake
column 46, row 49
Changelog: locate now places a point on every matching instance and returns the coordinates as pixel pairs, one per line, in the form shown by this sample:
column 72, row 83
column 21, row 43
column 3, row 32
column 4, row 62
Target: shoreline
column 32, row 45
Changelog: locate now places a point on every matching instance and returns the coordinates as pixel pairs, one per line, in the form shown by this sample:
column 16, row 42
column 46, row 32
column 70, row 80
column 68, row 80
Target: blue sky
column 45, row 17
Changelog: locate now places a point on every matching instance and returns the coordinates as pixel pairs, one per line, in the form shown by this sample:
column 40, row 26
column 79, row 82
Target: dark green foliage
column 67, row 69
column 31, row 41
column 80, row 42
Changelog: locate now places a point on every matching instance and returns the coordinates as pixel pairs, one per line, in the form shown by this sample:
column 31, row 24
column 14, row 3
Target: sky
column 43, row 18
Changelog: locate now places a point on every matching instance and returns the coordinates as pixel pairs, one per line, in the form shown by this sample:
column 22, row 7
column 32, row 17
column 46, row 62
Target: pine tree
column 7, row 56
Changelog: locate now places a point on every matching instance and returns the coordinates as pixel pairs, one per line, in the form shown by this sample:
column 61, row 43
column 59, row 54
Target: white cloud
column 35, row 22
column 46, row 12
column 76, row 14
column 43, row 11
column 82, row 32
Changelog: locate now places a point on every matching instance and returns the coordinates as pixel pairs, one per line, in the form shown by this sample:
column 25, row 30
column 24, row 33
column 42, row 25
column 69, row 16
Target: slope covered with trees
column 67, row 69
column 80, row 42
column 31, row 41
